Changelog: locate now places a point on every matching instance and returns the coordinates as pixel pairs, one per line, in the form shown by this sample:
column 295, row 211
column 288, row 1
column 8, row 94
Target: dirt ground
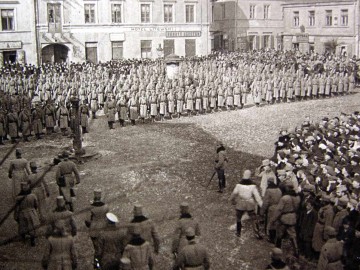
column 159, row 166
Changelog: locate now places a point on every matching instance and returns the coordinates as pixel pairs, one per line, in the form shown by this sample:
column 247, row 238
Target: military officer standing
column 65, row 174
column 192, row 256
column 109, row 110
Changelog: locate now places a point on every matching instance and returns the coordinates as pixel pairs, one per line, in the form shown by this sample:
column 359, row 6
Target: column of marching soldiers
column 116, row 245
column 34, row 99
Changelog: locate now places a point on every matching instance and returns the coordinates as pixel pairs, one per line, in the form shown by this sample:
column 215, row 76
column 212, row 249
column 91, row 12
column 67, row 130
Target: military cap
column 60, row 201
column 18, row 151
column 276, row 253
column 97, row 195
column 247, row 174
column 138, row 210
column 65, row 154
column 184, row 208
column 330, row 231
column 33, row 164
column 112, row 218
column 190, row 232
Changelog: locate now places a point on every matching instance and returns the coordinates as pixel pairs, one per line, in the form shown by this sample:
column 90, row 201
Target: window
column 266, row 11
column 116, row 13
column 54, row 17
column 117, row 50
column 145, row 13
column 312, row 18
column 190, row 13
column 344, row 17
column 7, row 19
column 296, row 21
column 252, row 11
column 328, row 18
column 168, row 13
column 91, row 52
column 145, row 48
column 89, row 13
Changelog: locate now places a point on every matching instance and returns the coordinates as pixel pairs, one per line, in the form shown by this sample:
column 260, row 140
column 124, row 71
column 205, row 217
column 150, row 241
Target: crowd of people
column 309, row 193
column 309, row 190
column 35, row 99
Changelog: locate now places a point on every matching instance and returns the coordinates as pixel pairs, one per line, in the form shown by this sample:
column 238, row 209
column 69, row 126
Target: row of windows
column 329, row 19
column 145, row 13
column 253, row 14
column 117, row 47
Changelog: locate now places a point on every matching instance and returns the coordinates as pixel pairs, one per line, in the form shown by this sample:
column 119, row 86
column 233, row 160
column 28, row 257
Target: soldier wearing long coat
column 50, row 117
column 325, row 218
column 133, row 109
column 112, row 241
column 40, row 189
column 60, row 252
column 97, row 221
column 138, row 252
column 179, row 101
column 331, row 252
column 63, row 118
column 67, row 176
column 193, row 256
column 328, row 83
column 93, row 97
column 84, row 117
column 37, row 117
column 185, row 221
column 322, row 83
column 271, row 199
column 25, row 212
column 122, row 110
column 12, row 122
column 146, row 226
column 18, row 172
column 143, row 106
column 25, row 123
column 110, row 110
column 315, row 86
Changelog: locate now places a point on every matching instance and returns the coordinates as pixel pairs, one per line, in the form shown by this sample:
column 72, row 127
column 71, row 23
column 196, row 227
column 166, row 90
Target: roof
column 330, row 2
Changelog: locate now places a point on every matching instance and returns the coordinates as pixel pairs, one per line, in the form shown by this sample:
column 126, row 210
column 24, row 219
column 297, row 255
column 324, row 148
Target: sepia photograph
column 180, row 134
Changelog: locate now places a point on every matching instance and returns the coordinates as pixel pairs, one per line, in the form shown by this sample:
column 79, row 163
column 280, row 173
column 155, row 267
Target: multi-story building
column 322, row 25
column 246, row 24
column 17, row 35
column 116, row 29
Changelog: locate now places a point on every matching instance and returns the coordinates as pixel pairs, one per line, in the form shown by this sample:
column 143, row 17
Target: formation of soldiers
column 309, row 193
column 117, row 244
column 35, row 99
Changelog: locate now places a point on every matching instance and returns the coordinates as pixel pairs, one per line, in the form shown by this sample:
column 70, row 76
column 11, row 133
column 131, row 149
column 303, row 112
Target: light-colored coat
column 245, row 196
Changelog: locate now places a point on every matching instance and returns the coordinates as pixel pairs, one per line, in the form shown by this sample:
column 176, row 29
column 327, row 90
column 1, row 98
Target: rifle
column 211, row 179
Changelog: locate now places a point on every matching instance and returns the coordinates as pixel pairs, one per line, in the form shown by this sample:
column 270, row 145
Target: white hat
column 112, row 218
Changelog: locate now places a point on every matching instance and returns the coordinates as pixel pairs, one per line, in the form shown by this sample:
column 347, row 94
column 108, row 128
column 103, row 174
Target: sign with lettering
column 302, row 38
column 10, row 45
column 152, row 29
column 183, row 33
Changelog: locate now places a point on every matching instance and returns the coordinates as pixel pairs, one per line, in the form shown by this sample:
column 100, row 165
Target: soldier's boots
column 238, row 229
column 1, row 141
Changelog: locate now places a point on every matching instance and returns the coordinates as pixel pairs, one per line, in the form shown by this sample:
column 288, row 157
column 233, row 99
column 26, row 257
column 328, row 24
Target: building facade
column 17, row 35
column 115, row 29
column 246, row 24
column 322, row 25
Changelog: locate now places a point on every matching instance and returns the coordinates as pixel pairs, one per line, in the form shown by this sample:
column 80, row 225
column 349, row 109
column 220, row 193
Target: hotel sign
column 183, row 33
column 302, row 38
column 10, row 45
column 152, row 29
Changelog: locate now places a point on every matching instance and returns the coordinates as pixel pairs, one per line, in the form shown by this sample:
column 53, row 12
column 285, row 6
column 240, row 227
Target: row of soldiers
column 142, row 90
column 309, row 192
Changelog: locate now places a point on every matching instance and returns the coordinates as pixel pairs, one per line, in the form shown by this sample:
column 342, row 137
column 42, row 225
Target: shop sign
column 10, row 45
column 183, row 33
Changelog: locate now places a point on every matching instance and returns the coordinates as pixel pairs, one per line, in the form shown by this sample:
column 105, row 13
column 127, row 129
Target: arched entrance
column 54, row 53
